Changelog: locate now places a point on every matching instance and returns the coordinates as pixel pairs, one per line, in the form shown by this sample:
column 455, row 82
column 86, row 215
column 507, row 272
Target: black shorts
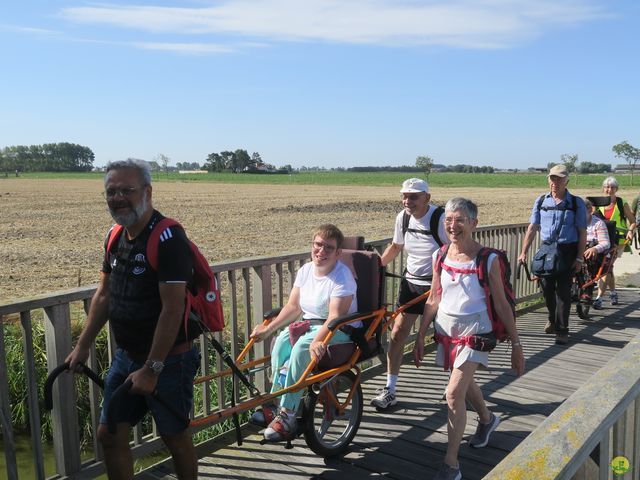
column 409, row 291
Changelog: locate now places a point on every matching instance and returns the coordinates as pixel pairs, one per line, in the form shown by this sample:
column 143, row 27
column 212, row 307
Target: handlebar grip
column 92, row 375
column 48, row 384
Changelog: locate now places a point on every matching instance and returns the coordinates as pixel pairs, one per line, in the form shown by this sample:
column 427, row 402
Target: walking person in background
column 458, row 307
column 419, row 231
column 145, row 308
column 620, row 212
column 561, row 219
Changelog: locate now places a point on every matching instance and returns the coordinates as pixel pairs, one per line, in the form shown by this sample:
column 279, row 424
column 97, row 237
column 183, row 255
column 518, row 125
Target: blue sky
column 508, row 83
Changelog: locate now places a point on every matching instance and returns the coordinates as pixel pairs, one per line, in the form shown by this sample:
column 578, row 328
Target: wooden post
column 32, row 396
column 260, row 303
column 5, row 413
column 66, row 438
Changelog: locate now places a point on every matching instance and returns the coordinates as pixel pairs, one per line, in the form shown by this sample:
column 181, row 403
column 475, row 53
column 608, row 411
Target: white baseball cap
column 414, row 185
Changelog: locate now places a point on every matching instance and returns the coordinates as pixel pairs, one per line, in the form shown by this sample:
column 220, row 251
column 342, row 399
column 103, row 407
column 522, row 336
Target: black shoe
column 562, row 339
column 549, row 328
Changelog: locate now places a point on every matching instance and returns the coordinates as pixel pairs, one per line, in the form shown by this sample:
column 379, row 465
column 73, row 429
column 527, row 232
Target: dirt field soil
column 51, row 231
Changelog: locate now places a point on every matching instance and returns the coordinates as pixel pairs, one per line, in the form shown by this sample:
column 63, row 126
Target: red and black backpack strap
column 437, row 264
column 112, row 238
column 482, row 262
column 153, row 242
column 440, row 256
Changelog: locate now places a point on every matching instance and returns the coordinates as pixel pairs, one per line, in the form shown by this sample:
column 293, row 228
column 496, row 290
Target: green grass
column 481, row 180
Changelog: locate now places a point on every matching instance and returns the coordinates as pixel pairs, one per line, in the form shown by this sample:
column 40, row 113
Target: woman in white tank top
column 458, row 307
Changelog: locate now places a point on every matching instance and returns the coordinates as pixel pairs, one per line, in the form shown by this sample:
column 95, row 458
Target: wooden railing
column 249, row 288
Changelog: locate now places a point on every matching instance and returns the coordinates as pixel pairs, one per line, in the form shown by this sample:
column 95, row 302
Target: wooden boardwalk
column 409, row 441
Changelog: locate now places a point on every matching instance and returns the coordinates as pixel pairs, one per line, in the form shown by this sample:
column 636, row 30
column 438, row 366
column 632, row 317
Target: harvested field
column 51, row 231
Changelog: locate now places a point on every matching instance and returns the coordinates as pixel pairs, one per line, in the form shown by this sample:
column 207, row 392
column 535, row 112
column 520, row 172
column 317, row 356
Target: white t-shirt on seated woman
column 316, row 292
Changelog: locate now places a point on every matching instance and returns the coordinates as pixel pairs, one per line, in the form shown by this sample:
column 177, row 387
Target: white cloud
column 184, row 48
column 28, row 30
column 461, row 23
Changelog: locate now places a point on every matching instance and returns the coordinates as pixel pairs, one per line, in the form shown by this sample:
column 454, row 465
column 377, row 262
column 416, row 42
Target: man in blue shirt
column 560, row 217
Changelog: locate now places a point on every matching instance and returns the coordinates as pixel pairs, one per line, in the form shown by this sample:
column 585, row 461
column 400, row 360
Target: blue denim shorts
column 175, row 387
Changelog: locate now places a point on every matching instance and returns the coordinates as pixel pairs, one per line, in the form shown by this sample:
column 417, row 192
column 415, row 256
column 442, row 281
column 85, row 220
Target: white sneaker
column 283, row 427
column 385, row 399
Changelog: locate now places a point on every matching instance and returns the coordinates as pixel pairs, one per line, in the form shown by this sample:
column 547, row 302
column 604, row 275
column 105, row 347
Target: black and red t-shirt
column 134, row 304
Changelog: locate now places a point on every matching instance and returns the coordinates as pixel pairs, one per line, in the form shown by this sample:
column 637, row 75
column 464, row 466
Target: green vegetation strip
column 374, row 179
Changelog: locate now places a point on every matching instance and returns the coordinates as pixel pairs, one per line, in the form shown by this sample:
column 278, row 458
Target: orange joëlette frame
column 608, row 260
column 380, row 317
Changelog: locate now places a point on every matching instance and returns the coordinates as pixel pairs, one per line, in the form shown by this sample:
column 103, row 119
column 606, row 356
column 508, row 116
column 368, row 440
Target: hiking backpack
column 482, row 270
column 203, row 292
column 203, row 304
column 434, row 223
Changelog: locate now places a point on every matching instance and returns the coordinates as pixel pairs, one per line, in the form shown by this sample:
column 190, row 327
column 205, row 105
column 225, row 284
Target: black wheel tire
column 583, row 311
column 325, row 434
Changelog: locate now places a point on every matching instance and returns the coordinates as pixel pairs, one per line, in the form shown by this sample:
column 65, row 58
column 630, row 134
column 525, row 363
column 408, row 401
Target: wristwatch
column 156, row 366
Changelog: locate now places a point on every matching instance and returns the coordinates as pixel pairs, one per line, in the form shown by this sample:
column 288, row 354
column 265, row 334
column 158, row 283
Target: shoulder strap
column 482, row 261
column 539, row 202
column 620, row 204
column 405, row 222
column 442, row 252
column 434, row 224
column 112, row 238
column 154, row 239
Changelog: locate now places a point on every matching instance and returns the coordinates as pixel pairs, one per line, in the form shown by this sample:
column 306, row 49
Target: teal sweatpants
column 299, row 358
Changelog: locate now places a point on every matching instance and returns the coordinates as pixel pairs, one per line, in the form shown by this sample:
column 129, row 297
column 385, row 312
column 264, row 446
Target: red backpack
column 203, row 292
column 482, row 270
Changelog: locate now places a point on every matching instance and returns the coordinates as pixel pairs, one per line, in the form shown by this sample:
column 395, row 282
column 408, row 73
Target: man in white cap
column 419, row 231
column 561, row 219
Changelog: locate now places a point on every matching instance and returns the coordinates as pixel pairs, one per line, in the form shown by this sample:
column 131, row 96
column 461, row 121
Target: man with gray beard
column 145, row 308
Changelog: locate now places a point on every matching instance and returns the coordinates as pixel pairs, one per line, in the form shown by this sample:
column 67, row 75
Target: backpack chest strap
column 461, row 271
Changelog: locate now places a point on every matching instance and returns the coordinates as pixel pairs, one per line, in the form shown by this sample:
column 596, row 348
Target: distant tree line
column 49, row 157
column 236, row 161
column 421, row 168
column 188, row 166
column 461, row 168
column 571, row 162
column 402, row 168
column 590, row 167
